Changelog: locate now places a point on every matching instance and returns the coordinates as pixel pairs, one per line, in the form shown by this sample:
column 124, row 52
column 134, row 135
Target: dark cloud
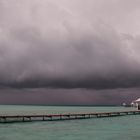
column 68, row 96
column 45, row 45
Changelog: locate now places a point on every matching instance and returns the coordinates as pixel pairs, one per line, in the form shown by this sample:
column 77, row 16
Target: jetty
column 56, row 117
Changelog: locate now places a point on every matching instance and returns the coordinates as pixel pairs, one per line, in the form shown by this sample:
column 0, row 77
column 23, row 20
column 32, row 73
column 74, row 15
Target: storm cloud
column 68, row 96
column 69, row 44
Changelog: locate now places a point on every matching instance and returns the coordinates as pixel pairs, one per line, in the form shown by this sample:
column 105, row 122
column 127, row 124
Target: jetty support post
column 60, row 116
column 23, row 119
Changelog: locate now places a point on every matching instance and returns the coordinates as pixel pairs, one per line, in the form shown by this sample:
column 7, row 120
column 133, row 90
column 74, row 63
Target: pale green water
column 113, row 128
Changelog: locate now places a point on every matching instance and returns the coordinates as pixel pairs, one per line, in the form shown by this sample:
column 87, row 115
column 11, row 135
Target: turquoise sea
column 109, row 128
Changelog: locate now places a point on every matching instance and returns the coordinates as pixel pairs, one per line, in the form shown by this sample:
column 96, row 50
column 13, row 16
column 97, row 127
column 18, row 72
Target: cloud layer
column 51, row 44
column 68, row 96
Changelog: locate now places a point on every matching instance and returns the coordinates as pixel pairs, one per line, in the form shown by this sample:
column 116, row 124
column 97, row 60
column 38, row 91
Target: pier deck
column 53, row 117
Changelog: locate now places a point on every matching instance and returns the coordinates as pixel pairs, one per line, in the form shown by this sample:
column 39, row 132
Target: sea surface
column 108, row 128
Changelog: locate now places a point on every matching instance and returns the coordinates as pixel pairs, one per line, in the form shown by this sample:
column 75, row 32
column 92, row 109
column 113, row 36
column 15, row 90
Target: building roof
column 138, row 100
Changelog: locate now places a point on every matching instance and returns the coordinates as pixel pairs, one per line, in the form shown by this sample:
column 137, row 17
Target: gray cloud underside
column 68, row 96
column 45, row 45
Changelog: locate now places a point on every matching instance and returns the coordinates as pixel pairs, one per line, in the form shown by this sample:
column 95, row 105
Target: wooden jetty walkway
column 29, row 118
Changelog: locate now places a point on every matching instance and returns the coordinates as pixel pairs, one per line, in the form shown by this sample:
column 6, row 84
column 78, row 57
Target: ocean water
column 108, row 128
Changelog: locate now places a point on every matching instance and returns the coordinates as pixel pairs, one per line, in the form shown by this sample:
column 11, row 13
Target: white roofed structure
column 137, row 101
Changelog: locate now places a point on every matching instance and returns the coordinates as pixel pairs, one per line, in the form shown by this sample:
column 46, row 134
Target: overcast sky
column 69, row 51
